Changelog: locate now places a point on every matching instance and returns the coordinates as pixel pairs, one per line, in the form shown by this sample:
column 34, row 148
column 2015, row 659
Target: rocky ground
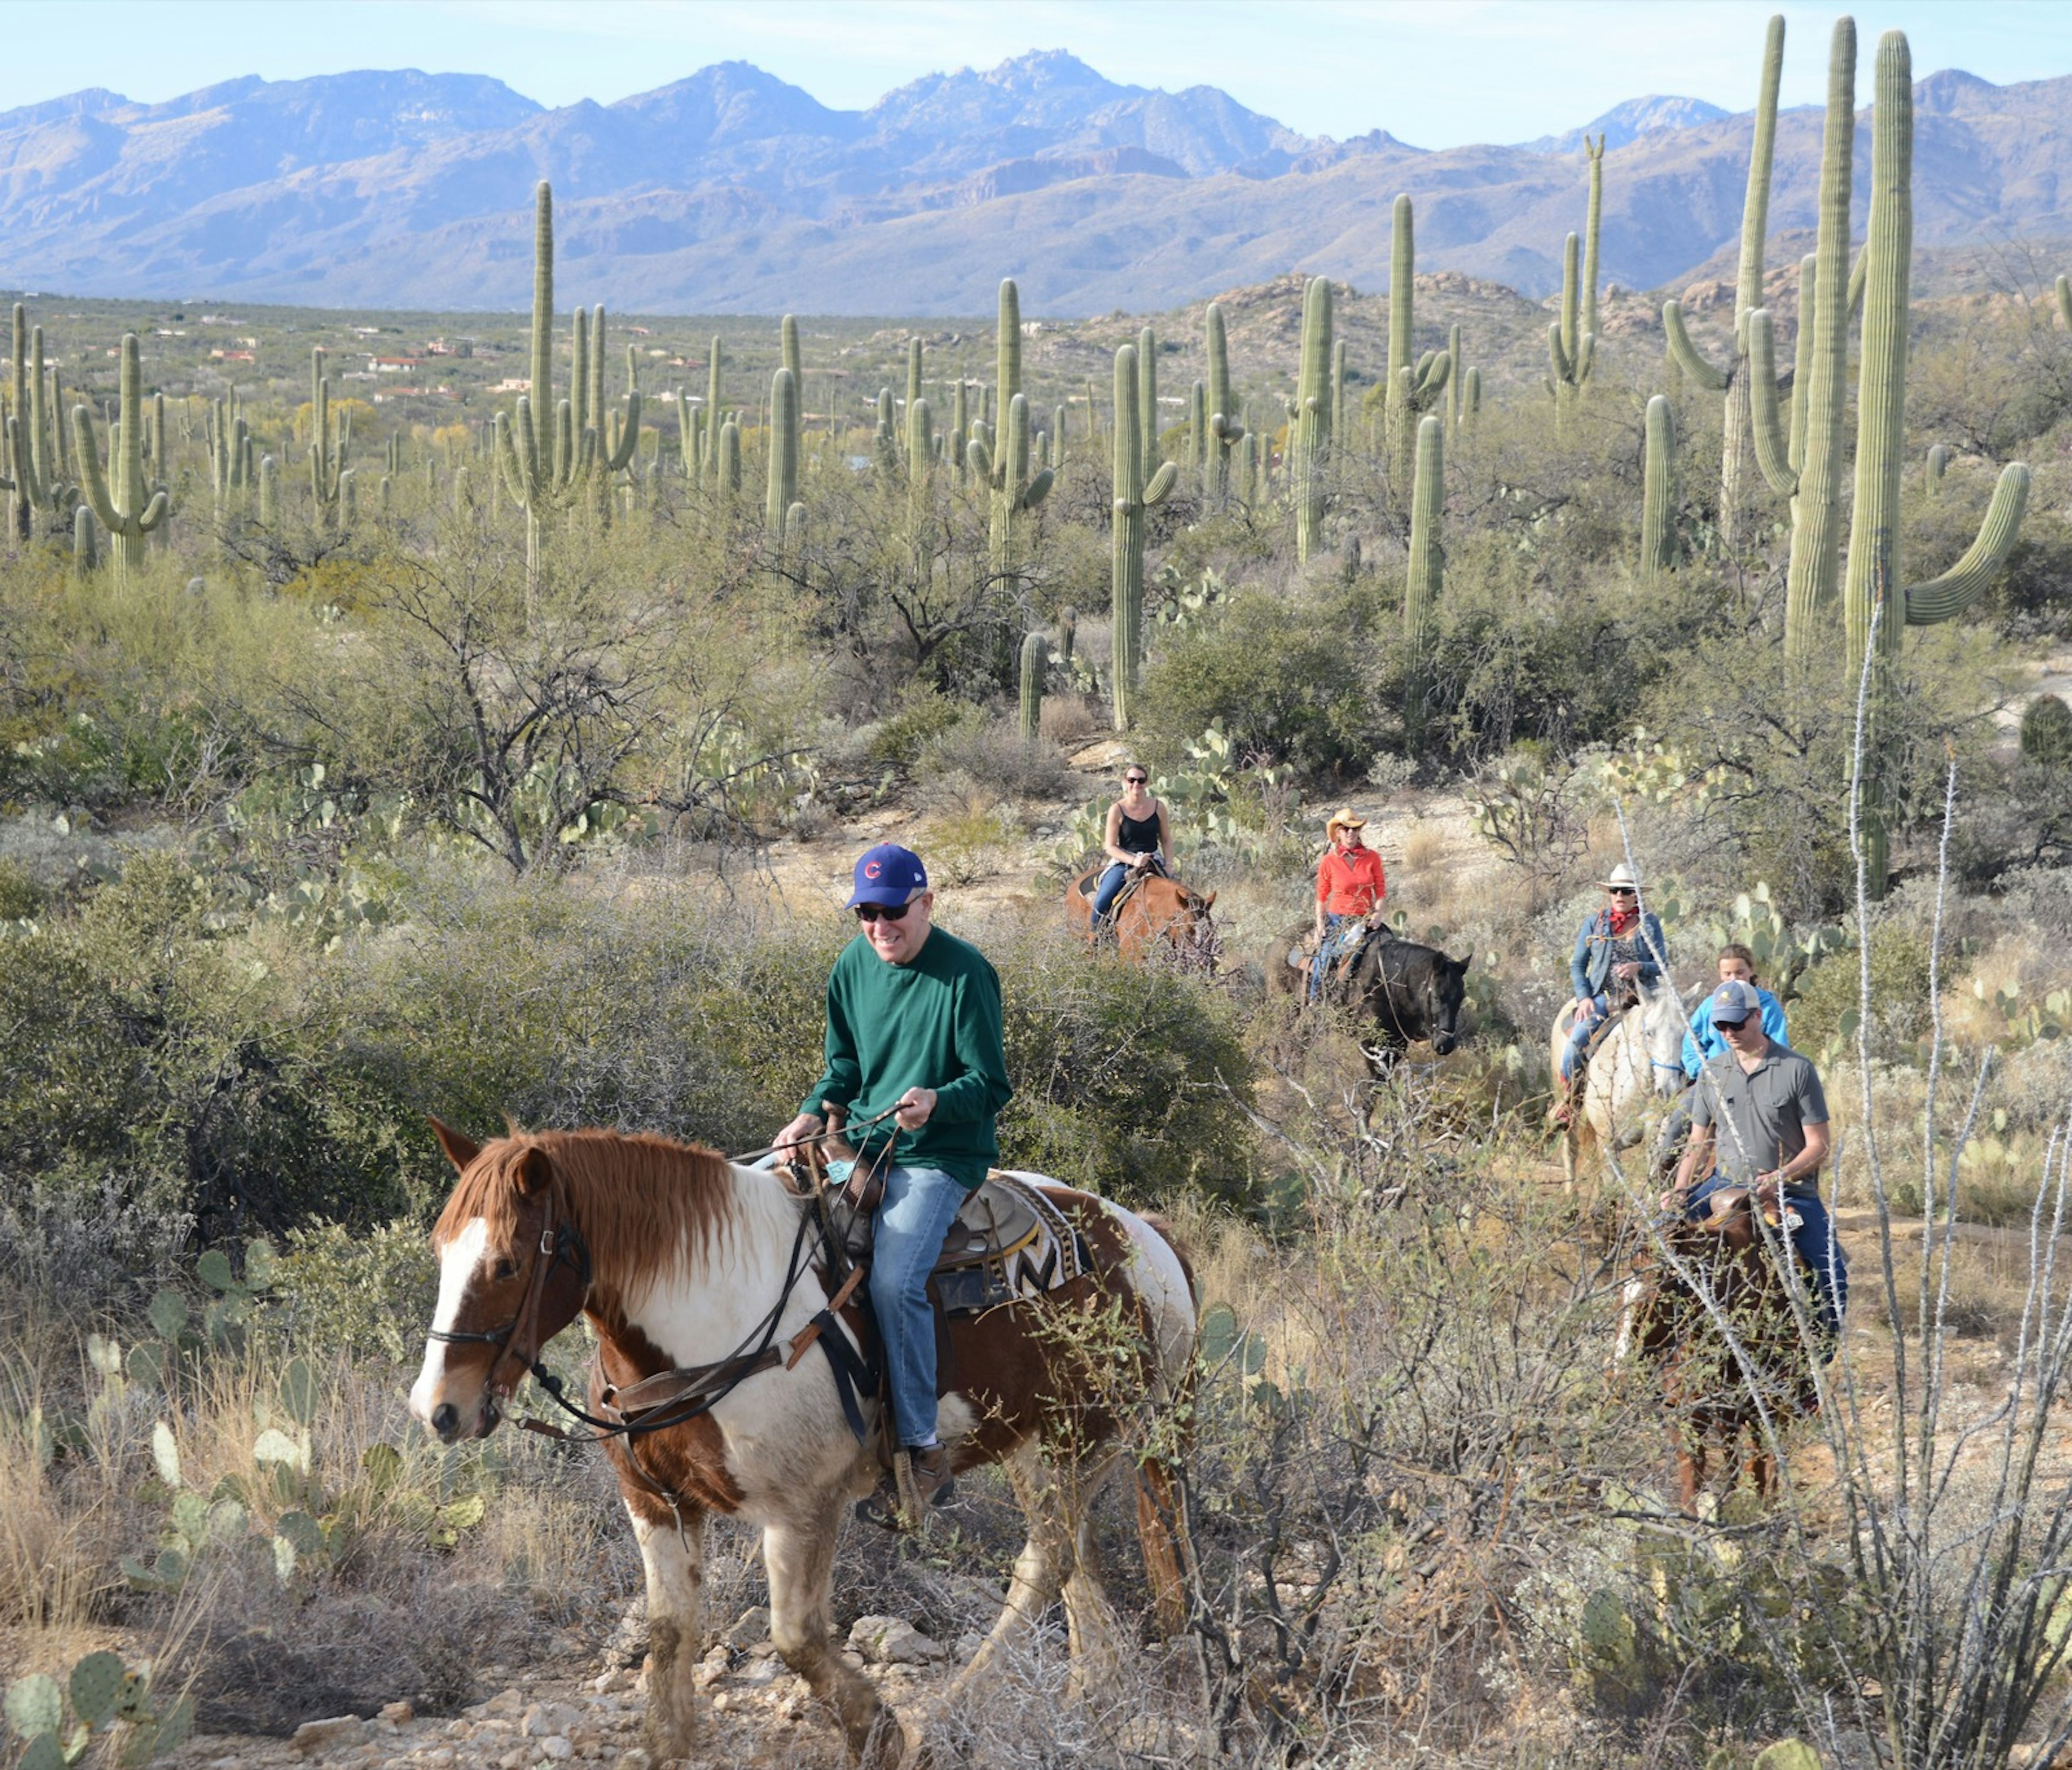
column 579, row 1708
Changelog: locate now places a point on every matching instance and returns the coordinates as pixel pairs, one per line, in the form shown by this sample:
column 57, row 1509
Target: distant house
column 395, row 365
column 439, row 347
column 514, row 384
column 234, row 356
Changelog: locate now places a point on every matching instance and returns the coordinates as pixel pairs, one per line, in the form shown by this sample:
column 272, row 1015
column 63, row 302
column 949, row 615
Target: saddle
column 1350, row 944
column 1090, row 886
column 1007, row 1243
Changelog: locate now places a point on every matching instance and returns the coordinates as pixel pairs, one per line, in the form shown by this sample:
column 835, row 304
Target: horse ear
column 1460, row 965
column 459, row 1151
column 1209, row 902
column 535, row 1172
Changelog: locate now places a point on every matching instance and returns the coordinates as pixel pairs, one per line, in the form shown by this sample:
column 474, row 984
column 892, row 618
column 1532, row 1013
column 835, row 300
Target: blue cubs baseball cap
column 888, row 873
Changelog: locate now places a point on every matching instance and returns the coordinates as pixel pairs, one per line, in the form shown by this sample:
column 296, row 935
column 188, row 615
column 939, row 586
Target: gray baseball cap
column 1735, row 1001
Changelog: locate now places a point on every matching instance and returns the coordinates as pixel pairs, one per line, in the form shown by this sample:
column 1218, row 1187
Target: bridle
column 559, row 1246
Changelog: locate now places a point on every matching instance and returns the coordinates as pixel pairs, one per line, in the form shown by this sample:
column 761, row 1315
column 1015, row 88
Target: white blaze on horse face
column 458, row 1261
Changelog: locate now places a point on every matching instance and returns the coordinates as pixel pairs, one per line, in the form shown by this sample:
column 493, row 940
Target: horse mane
column 643, row 1201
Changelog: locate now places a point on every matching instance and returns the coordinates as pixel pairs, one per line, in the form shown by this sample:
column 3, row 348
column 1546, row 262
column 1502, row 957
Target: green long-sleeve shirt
column 931, row 1023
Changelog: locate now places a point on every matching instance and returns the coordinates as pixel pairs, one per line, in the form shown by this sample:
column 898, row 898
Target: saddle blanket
column 1008, row 1244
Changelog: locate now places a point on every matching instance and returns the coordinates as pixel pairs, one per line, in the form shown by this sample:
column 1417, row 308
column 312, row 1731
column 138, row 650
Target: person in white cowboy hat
column 1350, row 886
column 1619, row 948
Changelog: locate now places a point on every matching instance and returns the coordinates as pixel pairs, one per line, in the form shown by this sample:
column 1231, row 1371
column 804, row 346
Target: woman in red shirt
column 1348, row 885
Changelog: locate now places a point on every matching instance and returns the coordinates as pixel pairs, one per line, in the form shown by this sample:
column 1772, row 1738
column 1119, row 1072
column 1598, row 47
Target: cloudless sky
column 1436, row 73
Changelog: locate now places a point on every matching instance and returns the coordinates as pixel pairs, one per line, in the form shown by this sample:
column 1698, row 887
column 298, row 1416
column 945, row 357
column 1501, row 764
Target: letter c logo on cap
column 872, row 869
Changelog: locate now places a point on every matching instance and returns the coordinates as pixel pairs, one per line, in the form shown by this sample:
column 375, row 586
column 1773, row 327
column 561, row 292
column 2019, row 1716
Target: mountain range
column 733, row 191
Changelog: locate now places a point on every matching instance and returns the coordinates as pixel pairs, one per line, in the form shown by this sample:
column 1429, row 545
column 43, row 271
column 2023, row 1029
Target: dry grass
column 1068, row 720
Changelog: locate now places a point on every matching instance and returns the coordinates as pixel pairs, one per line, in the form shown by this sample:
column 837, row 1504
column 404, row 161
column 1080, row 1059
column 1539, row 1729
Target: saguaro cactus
column 1313, row 419
column 1875, row 586
column 1426, row 578
column 328, row 444
column 1733, row 380
column 544, row 468
column 1007, row 357
column 782, row 490
column 18, row 483
column 1572, row 340
column 920, row 469
column 126, row 511
column 610, row 454
column 1657, row 509
column 83, row 560
column 1411, row 391
column 1014, row 492
column 1134, row 495
column 1147, row 397
column 1225, row 430
column 913, row 379
column 1035, row 656
column 1814, row 481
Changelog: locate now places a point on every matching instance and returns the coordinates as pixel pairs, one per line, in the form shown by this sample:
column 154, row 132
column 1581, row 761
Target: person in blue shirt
column 1702, row 1044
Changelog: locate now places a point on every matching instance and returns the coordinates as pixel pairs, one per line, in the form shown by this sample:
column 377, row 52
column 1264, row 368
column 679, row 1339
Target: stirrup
column 899, row 1502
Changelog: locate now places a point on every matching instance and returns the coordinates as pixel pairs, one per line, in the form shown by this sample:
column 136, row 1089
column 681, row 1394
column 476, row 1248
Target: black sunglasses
column 885, row 912
column 1135, row 780
column 1730, row 1026
column 1622, row 891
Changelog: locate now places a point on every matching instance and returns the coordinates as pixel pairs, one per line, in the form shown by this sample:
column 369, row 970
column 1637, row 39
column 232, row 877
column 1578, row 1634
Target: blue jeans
column 1109, row 888
column 1580, row 1032
column 1816, row 1243
column 920, row 1204
column 1327, row 950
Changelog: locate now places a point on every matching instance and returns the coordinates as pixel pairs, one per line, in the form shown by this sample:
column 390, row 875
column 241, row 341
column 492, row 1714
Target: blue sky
column 1434, row 73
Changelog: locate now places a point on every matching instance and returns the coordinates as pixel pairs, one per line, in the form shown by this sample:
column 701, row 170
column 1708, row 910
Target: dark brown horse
column 697, row 1277
column 1403, row 991
column 1158, row 914
column 1718, row 1401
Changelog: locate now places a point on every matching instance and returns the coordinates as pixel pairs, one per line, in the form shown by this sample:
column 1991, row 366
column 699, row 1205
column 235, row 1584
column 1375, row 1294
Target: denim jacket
column 1591, row 964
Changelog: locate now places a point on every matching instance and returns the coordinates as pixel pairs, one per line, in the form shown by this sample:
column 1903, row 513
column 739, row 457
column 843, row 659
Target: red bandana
column 1623, row 921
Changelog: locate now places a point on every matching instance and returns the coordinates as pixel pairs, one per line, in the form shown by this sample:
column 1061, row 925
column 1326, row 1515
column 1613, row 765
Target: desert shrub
column 1285, row 680
column 993, row 755
column 1826, row 1011
column 364, row 1294
column 925, row 717
column 1128, row 1078
column 1775, row 748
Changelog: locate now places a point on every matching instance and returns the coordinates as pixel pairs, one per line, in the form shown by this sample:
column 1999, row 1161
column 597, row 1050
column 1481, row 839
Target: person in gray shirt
column 1761, row 1107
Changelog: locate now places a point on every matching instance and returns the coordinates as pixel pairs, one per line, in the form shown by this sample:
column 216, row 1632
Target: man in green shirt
column 913, row 1023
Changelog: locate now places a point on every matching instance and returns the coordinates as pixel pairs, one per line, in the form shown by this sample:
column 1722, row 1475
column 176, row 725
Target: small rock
column 443, row 1755
column 617, row 1679
column 751, row 1626
column 514, row 1760
column 396, row 1714
column 634, row 1759
column 556, row 1747
column 546, row 1720
column 761, row 1673
column 968, row 1644
column 339, row 1730
column 887, row 1640
column 721, row 1703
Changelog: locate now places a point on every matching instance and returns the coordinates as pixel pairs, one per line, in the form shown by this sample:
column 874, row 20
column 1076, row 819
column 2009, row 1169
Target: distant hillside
column 732, row 191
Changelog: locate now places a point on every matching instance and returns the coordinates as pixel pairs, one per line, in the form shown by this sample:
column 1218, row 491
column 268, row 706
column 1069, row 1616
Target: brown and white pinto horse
column 1157, row 912
column 680, row 1260
column 1717, row 1404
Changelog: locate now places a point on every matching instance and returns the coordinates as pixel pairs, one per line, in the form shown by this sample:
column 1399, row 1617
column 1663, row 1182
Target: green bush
column 1824, row 1014
column 1287, row 679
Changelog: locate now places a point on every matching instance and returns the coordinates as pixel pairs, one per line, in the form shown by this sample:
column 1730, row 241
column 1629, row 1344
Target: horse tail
column 1162, row 1535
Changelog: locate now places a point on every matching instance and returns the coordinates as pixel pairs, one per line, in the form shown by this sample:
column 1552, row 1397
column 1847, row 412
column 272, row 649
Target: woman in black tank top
column 1138, row 835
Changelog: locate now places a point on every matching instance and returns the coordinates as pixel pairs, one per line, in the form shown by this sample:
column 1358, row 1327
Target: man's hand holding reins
column 916, row 1107
column 803, row 1129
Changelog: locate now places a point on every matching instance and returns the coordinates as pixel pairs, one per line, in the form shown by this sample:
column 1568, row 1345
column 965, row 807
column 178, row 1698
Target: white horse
column 1640, row 1058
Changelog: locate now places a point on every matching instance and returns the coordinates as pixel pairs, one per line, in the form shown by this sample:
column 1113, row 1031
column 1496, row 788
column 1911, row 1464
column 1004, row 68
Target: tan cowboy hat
column 1346, row 819
column 1623, row 878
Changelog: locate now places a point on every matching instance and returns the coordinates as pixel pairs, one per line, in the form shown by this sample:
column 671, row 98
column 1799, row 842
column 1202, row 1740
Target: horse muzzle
column 1443, row 1043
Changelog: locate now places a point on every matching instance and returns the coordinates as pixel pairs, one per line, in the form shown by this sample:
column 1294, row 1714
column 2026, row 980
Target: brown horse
column 1157, row 913
column 697, row 1277
column 1720, row 1405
